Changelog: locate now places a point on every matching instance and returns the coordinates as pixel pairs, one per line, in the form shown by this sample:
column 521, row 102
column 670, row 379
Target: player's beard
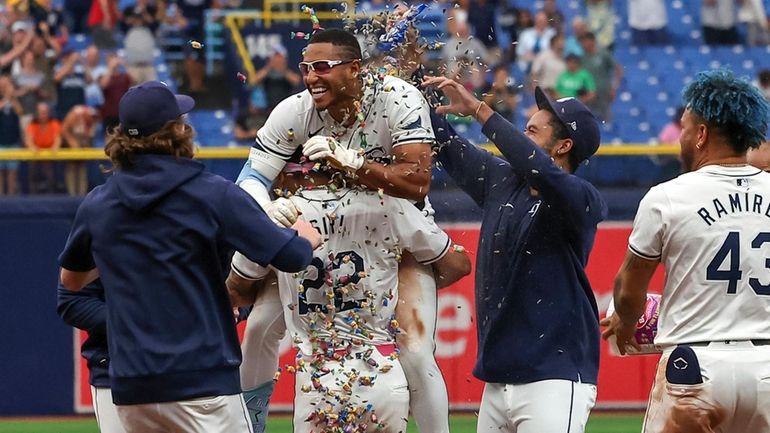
column 687, row 155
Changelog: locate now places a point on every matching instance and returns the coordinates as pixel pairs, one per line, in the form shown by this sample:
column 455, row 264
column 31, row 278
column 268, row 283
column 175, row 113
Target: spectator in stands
column 70, row 79
column 44, row 132
column 572, row 43
column 46, row 53
column 140, row 22
column 606, row 74
column 507, row 23
column 92, row 68
column 103, row 17
column 549, row 65
column 14, row 42
column 576, row 82
column 252, row 117
column 462, row 52
column 670, row 133
column 10, row 135
column 78, row 130
column 49, row 22
column 276, row 78
column 76, row 15
column 554, row 15
column 763, row 82
column 648, row 21
column 114, row 82
column 501, row 94
column 760, row 157
column 194, row 63
column 752, row 12
column 481, row 17
column 718, row 19
column 533, row 40
column 29, row 87
column 601, row 22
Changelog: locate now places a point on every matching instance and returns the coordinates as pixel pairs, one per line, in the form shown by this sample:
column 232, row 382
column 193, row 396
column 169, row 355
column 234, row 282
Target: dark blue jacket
column 158, row 233
column 536, row 314
column 86, row 310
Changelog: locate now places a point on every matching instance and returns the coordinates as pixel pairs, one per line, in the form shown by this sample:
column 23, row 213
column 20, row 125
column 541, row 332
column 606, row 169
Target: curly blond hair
column 169, row 140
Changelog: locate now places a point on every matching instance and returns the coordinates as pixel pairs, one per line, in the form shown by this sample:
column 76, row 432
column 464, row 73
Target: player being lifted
column 710, row 229
column 377, row 132
column 341, row 309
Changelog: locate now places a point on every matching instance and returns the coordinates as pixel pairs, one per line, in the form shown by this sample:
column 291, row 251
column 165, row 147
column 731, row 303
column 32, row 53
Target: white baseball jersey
column 356, row 268
column 711, row 230
column 395, row 113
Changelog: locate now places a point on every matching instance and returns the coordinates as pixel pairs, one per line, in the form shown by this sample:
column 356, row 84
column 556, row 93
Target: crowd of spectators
column 52, row 96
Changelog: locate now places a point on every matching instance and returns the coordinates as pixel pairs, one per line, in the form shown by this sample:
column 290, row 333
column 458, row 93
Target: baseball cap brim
column 542, row 101
column 185, row 103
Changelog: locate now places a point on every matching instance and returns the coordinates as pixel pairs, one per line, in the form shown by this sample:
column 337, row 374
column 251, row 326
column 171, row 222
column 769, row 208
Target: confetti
column 195, row 44
column 300, row 35
column 313, row 17
column 241, row 77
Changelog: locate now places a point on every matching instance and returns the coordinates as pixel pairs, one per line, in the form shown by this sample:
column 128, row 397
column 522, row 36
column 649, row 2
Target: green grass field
column 599, row 423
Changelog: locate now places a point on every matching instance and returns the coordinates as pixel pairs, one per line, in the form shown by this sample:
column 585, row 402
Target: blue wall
column 36, row 361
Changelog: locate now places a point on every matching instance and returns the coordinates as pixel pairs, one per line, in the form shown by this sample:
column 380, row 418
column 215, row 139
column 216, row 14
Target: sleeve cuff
column 636, row 252
column 440, row 255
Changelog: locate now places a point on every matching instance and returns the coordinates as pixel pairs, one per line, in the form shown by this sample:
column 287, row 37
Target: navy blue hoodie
column 536, row 315
column 158, row 232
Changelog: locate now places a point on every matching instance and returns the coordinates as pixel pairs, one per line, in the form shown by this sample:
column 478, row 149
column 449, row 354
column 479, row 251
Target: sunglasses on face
column 321, row 67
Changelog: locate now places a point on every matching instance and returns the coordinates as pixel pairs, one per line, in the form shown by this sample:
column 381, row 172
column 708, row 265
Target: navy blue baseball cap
column 582, row 126
column 145, row 108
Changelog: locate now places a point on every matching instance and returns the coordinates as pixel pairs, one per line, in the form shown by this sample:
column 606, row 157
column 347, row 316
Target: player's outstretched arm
column 452, row 267
column 630, row 295
column 408, row 176
column 469, row 166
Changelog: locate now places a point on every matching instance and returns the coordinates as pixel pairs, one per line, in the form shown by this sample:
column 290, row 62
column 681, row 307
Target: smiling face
column 339, row 87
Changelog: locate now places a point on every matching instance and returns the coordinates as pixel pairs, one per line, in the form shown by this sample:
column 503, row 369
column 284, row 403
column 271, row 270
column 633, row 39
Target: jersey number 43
column 732, row 247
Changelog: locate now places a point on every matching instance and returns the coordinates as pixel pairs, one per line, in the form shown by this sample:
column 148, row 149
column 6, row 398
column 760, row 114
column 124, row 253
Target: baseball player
column 340, row 311
column 538, row 325
column 155, row 233
column 709, row 228
column 377, row 133
column 86, row 310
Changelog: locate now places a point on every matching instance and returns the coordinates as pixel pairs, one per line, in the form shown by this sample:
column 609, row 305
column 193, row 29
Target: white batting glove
column 282, row 211
column 320, row 147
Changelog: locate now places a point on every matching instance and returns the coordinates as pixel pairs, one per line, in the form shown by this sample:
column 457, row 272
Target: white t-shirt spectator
column 720, row 16
column 647, row 14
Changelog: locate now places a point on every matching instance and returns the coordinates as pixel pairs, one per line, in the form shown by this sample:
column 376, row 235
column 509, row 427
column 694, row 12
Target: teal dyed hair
column 732, row 105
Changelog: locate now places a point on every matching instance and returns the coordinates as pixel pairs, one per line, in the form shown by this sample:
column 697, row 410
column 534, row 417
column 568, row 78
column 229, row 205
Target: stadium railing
column 92, row 154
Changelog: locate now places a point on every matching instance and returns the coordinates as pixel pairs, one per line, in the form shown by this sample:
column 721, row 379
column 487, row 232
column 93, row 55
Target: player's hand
column 625, row 334
column 307, row 231
column 461, row 101
column 282, row 211
column 320, row 147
